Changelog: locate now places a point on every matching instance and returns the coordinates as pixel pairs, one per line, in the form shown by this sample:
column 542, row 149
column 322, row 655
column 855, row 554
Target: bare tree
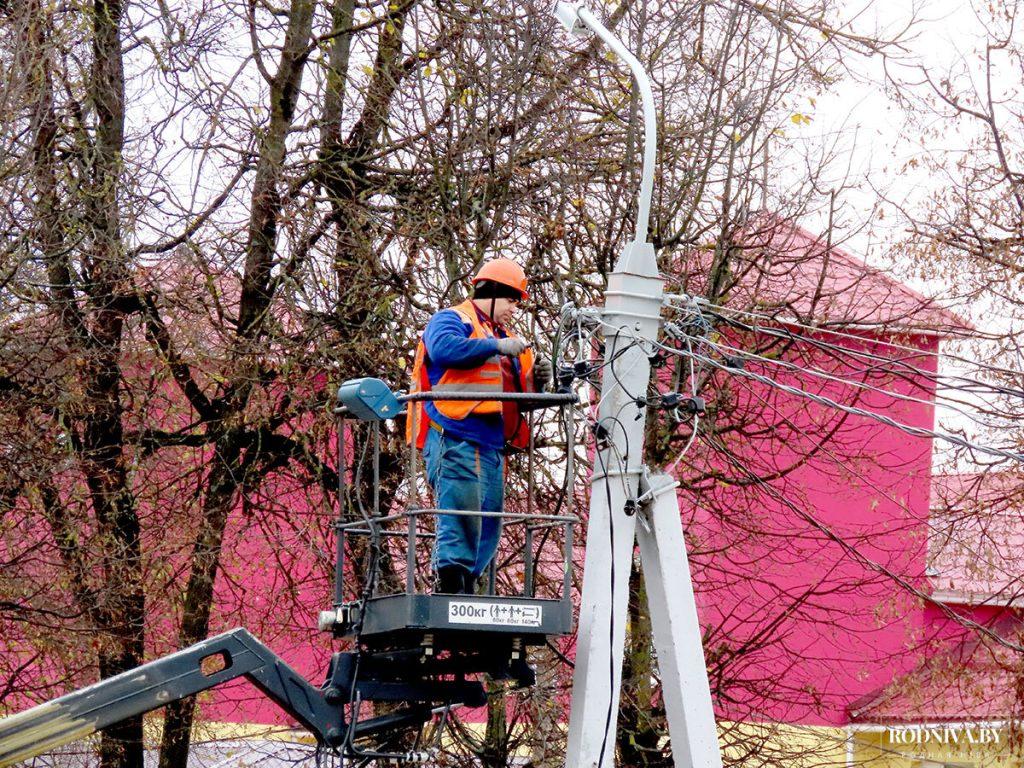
column 287, row 196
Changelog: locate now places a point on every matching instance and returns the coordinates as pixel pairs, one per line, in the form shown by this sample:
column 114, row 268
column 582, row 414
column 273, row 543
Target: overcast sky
column 877, row 137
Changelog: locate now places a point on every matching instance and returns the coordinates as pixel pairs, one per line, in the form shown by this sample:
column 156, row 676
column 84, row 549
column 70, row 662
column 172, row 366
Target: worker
column 468, row 347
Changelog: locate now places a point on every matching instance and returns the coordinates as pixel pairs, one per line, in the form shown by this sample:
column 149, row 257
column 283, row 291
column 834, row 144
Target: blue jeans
column 465, row 476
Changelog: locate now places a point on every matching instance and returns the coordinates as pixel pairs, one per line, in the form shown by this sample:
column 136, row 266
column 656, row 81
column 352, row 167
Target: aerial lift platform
column 418, row 651
column 422, row 652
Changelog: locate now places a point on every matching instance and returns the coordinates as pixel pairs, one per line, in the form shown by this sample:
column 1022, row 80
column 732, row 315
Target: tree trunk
column 221, row 489
column 494, row 751
column 640, row 729
column 117, row 611
column 101, row 441
column 229, row 465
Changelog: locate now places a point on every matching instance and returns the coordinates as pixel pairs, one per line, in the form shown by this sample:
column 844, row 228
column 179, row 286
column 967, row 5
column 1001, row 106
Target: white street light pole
column 572, row 15
column 623, row 490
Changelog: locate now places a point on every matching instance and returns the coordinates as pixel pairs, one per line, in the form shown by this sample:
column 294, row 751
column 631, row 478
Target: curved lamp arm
column 572, row 15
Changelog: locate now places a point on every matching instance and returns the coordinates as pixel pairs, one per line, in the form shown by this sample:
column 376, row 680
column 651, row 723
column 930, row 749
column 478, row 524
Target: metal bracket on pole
column 652, row 486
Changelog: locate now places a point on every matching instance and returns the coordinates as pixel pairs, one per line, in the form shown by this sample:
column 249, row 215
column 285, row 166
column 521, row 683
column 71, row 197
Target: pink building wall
column 805, row 584
column 806, row 588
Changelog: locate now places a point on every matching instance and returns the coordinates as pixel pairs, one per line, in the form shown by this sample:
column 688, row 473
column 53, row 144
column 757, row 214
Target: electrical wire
column 716, row 310
column 611, row 366
column 829, row 402
column 622, row 460
column 637, row 341
column 562, row 492
column 818, row 373
column 696, row 416
column 944, row 381
column 894, row 367
column 603, row 433
column 693, row 357
column 696, row 358
column 369, row 584
column 611, row 610
column 357, row 480
column 689, row 444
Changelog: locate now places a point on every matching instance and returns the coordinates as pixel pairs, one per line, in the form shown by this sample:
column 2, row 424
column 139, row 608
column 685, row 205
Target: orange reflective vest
column 486, row 378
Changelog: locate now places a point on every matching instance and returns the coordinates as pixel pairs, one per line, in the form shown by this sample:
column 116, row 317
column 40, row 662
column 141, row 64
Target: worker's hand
column 511, row 347
column 542, row 373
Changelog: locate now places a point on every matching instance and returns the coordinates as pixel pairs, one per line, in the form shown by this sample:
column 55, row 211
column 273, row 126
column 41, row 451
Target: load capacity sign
column 501, row 614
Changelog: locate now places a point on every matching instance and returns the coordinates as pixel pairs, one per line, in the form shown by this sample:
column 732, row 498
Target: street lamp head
column 568, row 13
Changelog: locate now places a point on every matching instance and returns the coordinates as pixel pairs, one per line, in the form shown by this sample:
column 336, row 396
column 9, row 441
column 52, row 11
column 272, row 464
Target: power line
column 941, row 380
column 826, row 401
column 917, row 351
column 822, row 400
column 818, row 373
column 829, row 402
column 695, row 425
column 859, row 384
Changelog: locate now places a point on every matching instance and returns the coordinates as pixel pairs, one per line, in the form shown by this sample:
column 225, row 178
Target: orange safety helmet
column 504, row 271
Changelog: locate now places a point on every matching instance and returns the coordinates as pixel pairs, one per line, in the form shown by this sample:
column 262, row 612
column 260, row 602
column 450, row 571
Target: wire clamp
column 585, row 316
column 650, row 491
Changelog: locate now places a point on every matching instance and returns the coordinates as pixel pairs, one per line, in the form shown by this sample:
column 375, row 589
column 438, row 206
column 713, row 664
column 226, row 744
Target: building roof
column 961, row 680
column 976, row 538
column 976, row 559
column 791, row 274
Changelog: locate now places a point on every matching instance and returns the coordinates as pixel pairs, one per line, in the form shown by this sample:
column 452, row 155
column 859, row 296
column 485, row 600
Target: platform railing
column 378, row 528
column 414, row 537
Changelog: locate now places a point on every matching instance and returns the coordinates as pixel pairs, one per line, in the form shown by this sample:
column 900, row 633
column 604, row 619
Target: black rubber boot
column 451, row 580
column 469, row 585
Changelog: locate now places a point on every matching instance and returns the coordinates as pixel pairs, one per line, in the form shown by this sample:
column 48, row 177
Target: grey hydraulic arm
column 411, row 676
column 192, row 670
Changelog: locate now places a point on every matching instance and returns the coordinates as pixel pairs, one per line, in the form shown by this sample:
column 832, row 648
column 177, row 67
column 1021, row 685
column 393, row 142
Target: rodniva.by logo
column 942, row 735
